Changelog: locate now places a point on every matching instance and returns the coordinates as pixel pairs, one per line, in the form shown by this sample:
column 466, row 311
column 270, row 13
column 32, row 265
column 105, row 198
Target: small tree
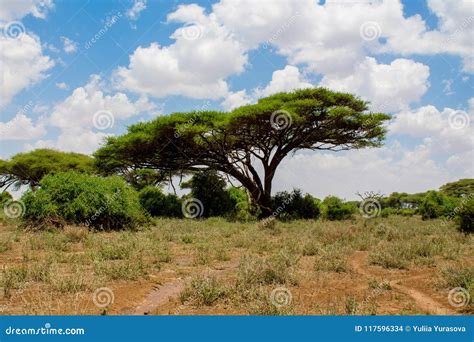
column 335, row 209
column 249, row 143
column 30, row 167
column 210, row 188
column 295, row 206
column 156, row 203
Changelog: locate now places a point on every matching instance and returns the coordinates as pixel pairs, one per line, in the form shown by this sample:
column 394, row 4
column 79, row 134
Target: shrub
column 202, row 291
column 465, row 214
column 293, row 206
column 156, row 203
column 74, row 198
column 335, row 209
column 5, row 197
column 242, row 208
column 209, row 188
column 436, row 204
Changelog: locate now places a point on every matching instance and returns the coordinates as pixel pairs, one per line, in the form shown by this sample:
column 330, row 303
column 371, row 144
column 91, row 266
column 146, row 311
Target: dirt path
column 359, row 263
column 170, row 290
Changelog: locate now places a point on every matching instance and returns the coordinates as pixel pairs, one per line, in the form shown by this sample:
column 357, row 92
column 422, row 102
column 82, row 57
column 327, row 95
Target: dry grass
column 309, row 258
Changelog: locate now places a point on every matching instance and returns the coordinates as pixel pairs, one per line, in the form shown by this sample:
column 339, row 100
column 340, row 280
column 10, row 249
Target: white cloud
column 389, row 87
column 287, row 79
column 77, row 110
column 17, row 9
column 20, row 128
column 62, row 85
column 196, row 65
column 133, row 13
column 69, row 46
column 22, row 64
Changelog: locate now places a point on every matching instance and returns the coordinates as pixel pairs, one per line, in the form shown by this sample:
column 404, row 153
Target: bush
column 74, row 198
column 294, row 206
column 5, row 197
column 436, row 204
column 209, row 187
column 386, row 212
column 465, row 214
column 242, row 208
column 335, row 209
column 156, row 203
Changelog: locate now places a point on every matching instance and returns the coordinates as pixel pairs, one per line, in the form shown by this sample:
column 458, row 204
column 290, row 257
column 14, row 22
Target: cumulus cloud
column 287, row 79
column 17, row 9
column 389, row 87
column 22, row 64
column 196, row 65
column 21, row 127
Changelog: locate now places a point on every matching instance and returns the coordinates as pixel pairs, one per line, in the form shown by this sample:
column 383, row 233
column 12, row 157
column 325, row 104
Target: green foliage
column 465, row 214
column 156, row 203
column 335, row 209
column 5, row 197
column 30, row 167
column 243, row 210
column 435, row 204
column 209, row 187
column 386, row 212
column 462, row 187
column 71, row 197
column 294, row 206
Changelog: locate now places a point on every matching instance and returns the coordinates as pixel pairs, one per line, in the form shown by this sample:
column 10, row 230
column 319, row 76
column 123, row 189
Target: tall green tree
column 30, row 167
column 250, row 142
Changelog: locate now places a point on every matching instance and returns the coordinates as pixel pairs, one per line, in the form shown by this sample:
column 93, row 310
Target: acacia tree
column 250, row 142
column 30, row 167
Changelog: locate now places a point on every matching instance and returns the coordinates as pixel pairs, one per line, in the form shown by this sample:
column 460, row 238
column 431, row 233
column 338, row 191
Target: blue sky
column 412, row 59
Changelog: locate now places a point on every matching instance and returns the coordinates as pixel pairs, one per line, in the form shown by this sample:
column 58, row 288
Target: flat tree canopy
column 250, row 142
column 462, row 187
column 30, row 167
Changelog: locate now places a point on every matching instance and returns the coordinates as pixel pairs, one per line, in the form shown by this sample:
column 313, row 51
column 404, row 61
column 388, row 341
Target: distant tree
column 156, row 203
column 336, row 209
column 462, row 187
column 30, row 167
column 249, row 143
column 294, row 205
column 210, row 188
column 436, row 204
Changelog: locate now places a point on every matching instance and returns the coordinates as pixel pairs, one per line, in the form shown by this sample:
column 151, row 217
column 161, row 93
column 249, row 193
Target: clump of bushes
column 294, row 206
column 4, row 197
column 336, row 209
column 156, row 203
column 465, row 214
column 73, row 198
column 436, row 204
